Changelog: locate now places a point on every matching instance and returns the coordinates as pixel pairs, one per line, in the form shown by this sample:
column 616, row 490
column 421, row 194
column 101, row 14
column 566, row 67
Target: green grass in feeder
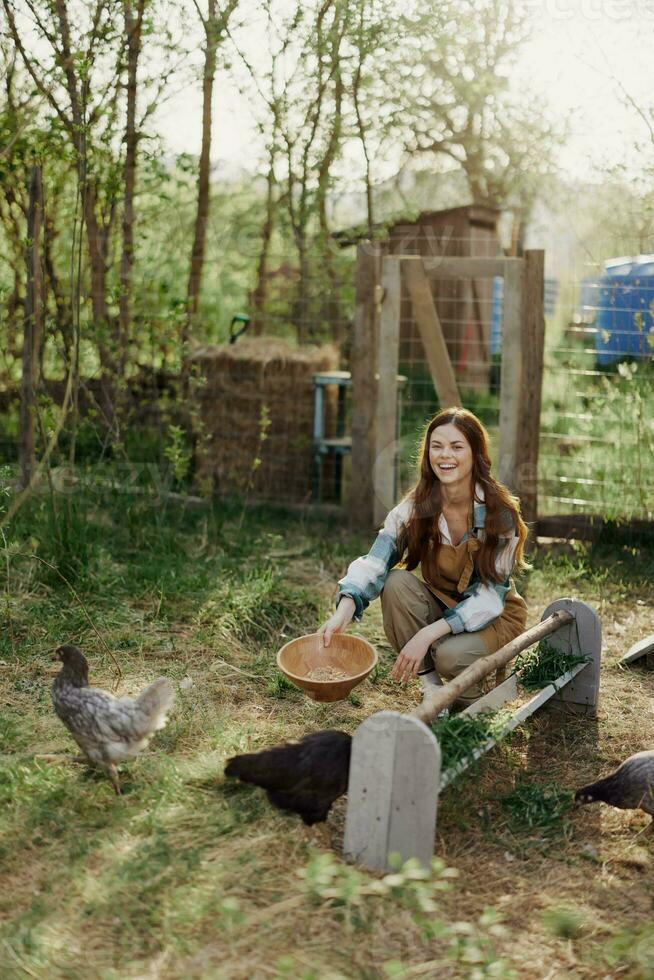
column 459, row 735
column 542, row 664
column 532, row 807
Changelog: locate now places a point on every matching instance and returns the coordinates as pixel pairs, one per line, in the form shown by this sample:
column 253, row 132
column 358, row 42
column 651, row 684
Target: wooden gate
column 375, row 363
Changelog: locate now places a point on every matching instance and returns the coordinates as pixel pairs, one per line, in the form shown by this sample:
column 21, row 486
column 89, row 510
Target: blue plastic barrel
column 625, row 310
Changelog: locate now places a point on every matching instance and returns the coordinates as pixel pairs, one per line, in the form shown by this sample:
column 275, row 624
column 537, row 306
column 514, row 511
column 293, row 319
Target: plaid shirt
column 480, row 605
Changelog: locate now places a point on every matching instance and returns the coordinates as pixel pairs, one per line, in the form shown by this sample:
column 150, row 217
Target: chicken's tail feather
column 156, row 701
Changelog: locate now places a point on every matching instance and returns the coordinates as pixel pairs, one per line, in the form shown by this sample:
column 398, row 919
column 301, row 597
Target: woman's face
column 450, row 455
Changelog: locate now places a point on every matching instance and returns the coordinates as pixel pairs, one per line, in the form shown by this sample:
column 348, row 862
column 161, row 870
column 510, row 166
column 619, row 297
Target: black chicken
column 108, row 730
column 304, row 777
column 630, row 787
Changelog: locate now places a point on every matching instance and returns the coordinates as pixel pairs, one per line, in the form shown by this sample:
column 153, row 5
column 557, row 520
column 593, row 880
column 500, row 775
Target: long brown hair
column 420, row 536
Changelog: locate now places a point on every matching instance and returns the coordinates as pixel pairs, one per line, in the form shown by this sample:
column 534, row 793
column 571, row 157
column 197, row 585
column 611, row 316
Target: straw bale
column 243, row 385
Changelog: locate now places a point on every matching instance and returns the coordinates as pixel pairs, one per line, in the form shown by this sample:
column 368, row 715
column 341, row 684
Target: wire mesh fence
column 470, row 313
column 597, row 419
column 247, row 427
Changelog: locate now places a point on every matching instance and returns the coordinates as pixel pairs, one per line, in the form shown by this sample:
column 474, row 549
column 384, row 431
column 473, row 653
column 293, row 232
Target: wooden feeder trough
column 395, row 774
column 349, row 655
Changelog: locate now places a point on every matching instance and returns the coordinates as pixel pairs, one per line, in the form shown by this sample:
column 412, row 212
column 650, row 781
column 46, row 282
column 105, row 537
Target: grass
column 187, row 876
column 543, row 664
column 459, row 735
column 533, row 808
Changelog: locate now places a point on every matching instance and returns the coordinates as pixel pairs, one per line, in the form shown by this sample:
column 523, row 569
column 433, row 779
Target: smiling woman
column 442, row 560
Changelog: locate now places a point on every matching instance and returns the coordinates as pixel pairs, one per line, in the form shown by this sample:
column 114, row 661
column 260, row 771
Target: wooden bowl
column 350, row 654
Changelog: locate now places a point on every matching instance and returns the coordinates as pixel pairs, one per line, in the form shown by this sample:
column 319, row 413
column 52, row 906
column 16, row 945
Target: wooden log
column 364, row 386
column 388, row 359
column 392, row 791
column 511, row 375
column 448, row 693
column 431, row 333
column 531, row 352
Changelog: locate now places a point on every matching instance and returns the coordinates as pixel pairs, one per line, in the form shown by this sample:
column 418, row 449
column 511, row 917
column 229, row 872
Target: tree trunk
column 260, row 293
column 331, row 312
column 301, row 304
column 133, row 39
column 32, row 330
column 101, row 317
column 63, row 309
column 202, row 212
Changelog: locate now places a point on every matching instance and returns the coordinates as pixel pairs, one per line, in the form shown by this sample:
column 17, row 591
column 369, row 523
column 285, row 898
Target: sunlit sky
column 582, row 58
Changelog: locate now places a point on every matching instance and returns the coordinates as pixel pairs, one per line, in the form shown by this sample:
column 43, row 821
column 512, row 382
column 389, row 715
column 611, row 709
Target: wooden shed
column 464, row 306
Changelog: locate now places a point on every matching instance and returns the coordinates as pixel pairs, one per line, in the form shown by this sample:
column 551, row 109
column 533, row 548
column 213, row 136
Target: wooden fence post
column 364, row 386
column 387, row 360
column 533, row 342
column 511, row 375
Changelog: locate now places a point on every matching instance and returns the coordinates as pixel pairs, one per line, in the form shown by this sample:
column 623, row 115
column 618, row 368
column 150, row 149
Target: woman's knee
column 457, row 652
column 446, row 661
column 398, row 585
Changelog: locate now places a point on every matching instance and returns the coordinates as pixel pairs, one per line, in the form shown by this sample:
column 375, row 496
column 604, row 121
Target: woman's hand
column 414, row 652
column 339, row 621
column 411, row 656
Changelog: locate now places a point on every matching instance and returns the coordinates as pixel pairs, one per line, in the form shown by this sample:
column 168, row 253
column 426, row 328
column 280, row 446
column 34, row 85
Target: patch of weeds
column 459, row 735
column 468, row 944
column 381, row 672
column 562, row 569
column 632, row 948
column 534, row 808
column 14, row 735
column 280, row 685
column 542, row 664
column 471, row 946
column 564, row 921
column 357, row 896
column 258, row 607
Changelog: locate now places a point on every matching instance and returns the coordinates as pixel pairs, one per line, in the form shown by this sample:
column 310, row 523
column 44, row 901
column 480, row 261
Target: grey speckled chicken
column 107, row 729
column 630, row 787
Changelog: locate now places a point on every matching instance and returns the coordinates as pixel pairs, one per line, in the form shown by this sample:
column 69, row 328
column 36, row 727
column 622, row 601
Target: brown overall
column 409, row 602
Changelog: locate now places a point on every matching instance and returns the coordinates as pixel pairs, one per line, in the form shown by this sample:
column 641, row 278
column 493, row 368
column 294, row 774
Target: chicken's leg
column 112, row 772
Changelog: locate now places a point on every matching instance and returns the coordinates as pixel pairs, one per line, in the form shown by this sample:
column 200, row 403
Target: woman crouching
column 443, row 560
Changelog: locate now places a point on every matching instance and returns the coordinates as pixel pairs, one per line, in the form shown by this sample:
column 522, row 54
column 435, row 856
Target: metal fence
column 597, row 415
column 597, row 419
